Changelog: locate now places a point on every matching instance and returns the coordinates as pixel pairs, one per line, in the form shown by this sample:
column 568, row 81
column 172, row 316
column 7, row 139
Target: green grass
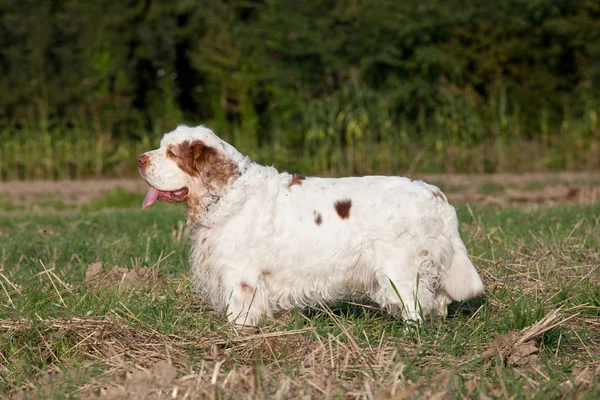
column 64, row 337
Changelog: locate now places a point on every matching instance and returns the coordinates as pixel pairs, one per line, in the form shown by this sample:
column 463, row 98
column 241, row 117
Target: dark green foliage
column 465, row 81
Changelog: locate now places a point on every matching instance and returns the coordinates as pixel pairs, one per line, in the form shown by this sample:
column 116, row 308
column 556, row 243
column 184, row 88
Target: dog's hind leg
column 401, row 289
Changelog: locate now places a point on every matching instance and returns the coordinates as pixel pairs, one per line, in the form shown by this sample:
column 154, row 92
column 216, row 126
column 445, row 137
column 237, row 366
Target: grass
column 136, row 325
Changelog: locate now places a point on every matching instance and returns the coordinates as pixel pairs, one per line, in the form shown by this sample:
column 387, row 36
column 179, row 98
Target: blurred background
column 329, row 87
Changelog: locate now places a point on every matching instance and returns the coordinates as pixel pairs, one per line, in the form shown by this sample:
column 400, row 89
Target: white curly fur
column 262, row 245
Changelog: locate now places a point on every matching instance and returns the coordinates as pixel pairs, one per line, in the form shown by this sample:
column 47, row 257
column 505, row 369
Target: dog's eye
column 171, row 154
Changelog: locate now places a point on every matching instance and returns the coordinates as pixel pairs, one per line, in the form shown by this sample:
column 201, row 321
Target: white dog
column 264, row 241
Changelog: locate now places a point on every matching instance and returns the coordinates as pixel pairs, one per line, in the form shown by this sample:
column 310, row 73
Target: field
column 96, row 300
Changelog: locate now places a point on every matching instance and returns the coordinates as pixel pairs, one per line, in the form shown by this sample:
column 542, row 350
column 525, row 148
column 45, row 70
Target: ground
column 96, row 301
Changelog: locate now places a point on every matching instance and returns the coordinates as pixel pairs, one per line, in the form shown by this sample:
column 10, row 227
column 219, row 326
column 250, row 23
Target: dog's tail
column 461, row 280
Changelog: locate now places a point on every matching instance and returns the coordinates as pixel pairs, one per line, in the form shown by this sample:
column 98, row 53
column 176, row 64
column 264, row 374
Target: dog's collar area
column 213, row 200
column 198, row 224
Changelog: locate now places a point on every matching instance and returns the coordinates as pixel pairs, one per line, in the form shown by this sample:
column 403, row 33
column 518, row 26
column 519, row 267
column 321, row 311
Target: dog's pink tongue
column 150, row 198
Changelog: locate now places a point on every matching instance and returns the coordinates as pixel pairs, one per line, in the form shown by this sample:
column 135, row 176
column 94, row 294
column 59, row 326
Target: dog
column 264, row 241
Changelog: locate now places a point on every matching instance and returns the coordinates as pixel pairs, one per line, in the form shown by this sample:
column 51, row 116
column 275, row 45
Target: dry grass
column 116, row 317
column 143, row 363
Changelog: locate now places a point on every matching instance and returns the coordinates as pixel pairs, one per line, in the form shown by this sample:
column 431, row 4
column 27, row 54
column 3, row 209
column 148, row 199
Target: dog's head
column 191, row 164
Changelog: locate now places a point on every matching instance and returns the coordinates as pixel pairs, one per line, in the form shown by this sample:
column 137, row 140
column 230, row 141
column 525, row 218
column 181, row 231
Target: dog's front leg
column 247, row 303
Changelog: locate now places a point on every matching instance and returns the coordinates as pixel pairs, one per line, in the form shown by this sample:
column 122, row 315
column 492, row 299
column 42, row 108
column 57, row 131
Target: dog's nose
column 142, row 160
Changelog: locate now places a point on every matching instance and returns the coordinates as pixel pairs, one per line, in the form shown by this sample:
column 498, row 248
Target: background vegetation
column 324, row 86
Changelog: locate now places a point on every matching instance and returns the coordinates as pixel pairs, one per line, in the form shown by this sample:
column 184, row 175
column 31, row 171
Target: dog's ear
column 212, row 166
column 202, row 155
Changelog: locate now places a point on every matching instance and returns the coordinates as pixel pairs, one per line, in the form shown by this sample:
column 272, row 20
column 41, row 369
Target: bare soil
column 96, row 277
column 493, row 189
column 69, row 191
column 536, row 188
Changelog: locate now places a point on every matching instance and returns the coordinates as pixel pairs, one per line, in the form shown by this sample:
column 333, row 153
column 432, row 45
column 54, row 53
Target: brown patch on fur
column 196, row 208
column 318, row 218
column 247, row 288
column 212, row 168
column 440, row 195
column 296, row 180
column 208, row 163
column 143, row 162
column 343, row 208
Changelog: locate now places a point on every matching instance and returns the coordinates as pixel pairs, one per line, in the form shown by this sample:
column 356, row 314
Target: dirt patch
column 212, row 381
column 515, row 353
column 144, row 383
column 530, row 188
column 51, row 384
column 68, row 191
column 548, row 195
column 120, row 277
column 507, row 179
column 522, row 348
column 583, row 380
